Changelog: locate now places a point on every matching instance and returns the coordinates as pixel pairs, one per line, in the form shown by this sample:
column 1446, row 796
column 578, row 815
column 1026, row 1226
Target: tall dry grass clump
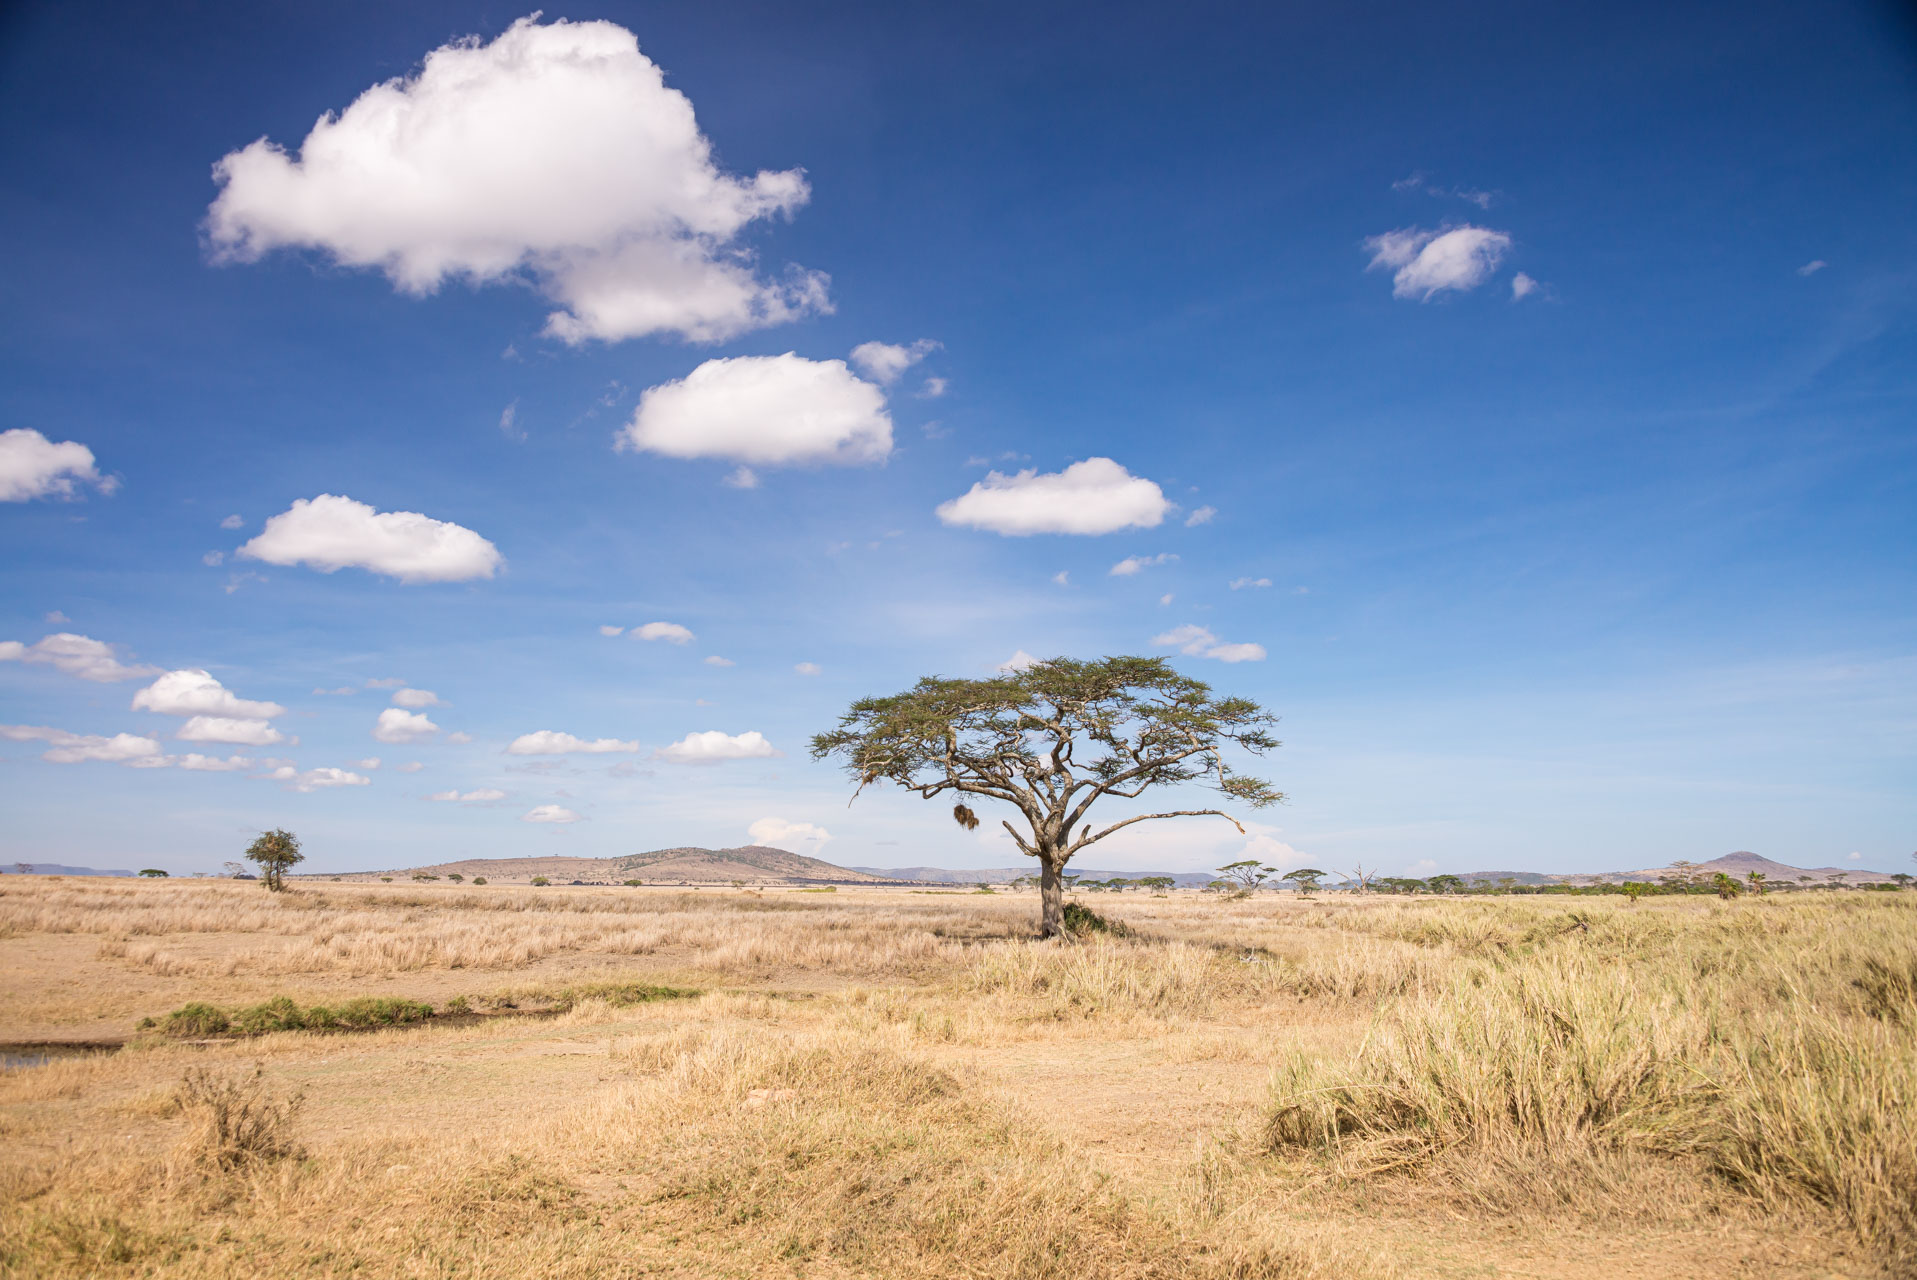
column 1782, row 1058
column 235, row 1120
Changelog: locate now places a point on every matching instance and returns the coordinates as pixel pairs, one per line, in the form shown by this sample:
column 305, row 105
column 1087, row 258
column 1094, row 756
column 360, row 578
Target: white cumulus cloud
column 82, row 657
column 82, row 748
column 415, row 698
column 671, row 632
column 764, row 410
column 193, row 760
column 332, row 532
column 1204, row 515
column 193, row 692
column 713, row 746
column 612, row 631
column 32, row 466
column 398, row 726
column 1240, row 584
column 714, row 660
column 550, row 813
column 884, row 362
column 1523, row 286
column 477, row 796
column 554, row 154
column 1199, row 642
column 1132, row 565
column 235, row 729
column 794, row 837
column 1426, row 263
column 547, row 742
column 316, row 779
column 1090, row 497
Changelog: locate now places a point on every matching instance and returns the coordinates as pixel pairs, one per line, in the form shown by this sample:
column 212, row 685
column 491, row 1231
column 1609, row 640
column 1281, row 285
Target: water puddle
column 20, row 1057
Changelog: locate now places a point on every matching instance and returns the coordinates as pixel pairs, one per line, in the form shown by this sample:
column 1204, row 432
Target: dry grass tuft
column 236, row 1122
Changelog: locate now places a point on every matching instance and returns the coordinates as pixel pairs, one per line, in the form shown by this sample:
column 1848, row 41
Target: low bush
column 196, row 1019
column 237, row 1120
column 283, row 1014
column 1082, row 920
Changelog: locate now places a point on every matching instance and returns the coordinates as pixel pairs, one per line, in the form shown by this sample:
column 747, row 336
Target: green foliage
column 191, row 1021
column 1081, row 921
column 479, row 879
column 1247, row 875
column 153, row 871
column 273, row 852
column 1306, row 878
column 1726, row 886
column 281, row 1013
column 540, row 880
column 630, row 884
column 456, row 878
column 821, row 889
column 1446, row 884
column 458, row 1005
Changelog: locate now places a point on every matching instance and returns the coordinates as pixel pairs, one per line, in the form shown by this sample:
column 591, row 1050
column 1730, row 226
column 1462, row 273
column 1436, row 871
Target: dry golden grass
column 877, row 1083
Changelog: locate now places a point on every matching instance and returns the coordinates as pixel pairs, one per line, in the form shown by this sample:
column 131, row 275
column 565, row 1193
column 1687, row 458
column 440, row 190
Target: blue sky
column 1542, row 378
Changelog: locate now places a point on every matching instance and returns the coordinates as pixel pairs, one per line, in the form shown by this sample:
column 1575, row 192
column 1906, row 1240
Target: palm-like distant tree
column 1757, row 879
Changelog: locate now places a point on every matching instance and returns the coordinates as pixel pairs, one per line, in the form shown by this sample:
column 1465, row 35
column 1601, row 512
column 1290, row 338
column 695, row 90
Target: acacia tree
column 1306, row 878
column 274, row 852
column 1051, row 741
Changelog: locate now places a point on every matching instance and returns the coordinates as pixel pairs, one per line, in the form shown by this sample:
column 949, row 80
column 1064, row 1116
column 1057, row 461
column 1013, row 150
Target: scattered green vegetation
column 1081, row 920
column 538, row 881
column 199, row 1020
column 153, row 871
column 479, row 879
column 821, row 889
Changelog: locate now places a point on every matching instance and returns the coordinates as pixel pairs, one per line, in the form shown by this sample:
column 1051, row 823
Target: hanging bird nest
column 965, row 817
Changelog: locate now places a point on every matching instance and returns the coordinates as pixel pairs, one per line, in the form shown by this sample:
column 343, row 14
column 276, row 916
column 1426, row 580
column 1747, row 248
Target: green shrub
column 195, row 1019
column 1082, row 920
column 634, row 884
column 540, row 880
column 153, row 871
column 277, row 1014
column 458, row 1005
column 479, row 879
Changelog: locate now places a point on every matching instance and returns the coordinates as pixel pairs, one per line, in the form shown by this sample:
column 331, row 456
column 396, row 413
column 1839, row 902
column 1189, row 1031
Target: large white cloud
column 1199, row 642
column 1089, row 497
column 547, row 742
column 1426, row 263
column 82, row 748
column 768, row 410
column 237, row 730
column 331, row 532
column 713, row 746
column 193, row 692
column 795, row 836
column 554, row 153
column 32, row 466
column 397, row 726
column 79, row 656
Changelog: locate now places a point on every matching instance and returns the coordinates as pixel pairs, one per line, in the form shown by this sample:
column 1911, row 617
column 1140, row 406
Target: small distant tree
column 1445, row 884
column 1159, row 884
column 1634, row 889
column 1306, row 878
column 1247, row 875
column 1726, row 885
column 540, row 880
column 1051, row 741
column 1903, row 879
column 273, row 853
column 1507, row 883
column 1757, row 879
column 456, row 878
column 1360, row 878
column 234, row 870
column 1837, row 879
column 153, row 871
column 23, row 868
column 479, row 879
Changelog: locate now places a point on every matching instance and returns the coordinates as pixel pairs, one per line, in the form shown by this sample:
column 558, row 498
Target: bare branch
column 1084, row 840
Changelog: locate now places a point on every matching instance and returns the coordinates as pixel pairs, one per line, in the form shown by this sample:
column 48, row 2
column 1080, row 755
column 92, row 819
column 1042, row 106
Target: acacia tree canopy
column 274, row 852
column 1051, row 741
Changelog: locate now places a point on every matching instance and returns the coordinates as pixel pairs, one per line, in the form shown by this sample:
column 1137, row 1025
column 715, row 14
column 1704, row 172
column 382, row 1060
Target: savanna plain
column 621, row 1082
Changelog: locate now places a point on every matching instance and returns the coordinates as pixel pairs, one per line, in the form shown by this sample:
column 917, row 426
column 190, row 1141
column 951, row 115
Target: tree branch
column 1084, row 840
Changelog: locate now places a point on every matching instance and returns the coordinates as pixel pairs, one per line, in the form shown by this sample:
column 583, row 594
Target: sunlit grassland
column 885, row 1084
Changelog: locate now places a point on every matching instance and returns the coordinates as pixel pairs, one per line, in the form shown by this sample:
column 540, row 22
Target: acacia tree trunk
column 1051, row 894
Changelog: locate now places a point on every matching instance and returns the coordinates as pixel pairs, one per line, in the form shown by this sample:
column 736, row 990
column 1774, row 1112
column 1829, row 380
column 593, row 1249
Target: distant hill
column 1001, row 875
column 754, row 864
column 1739, row 865
column 55, row 869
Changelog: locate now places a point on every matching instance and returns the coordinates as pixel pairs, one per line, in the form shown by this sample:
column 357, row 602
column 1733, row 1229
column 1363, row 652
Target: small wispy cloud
column 1201, row 516
column 1812, row 267
column 1240, row 584
column 1131, row 565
